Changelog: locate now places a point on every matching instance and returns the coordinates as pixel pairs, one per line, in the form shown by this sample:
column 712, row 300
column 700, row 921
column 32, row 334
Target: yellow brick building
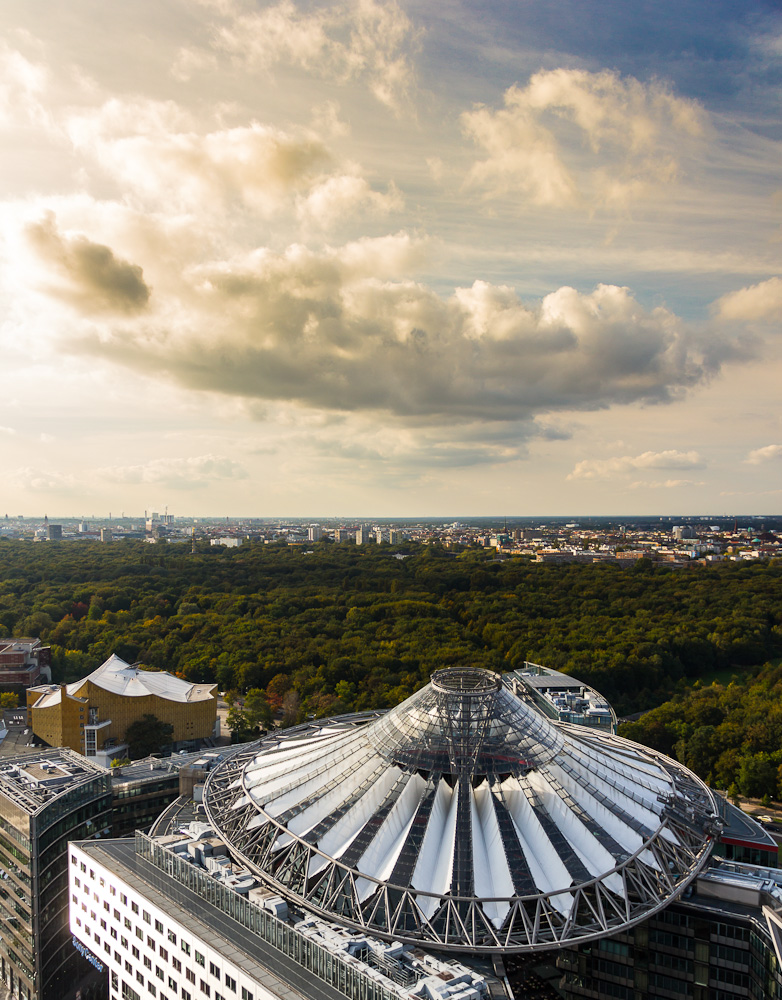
column 92, row 715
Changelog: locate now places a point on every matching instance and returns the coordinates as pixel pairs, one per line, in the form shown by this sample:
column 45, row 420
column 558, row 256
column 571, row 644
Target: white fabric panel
column 440, row 853
column 622, row 834
column 262, row 771
column 669, row 835
column 336, row 841
column 316, row 864
column 596, row 858
column 241, row 802
column 281, row 841
column 492, row 875
column 546, row 866
column 278, row 795
column 596, row 775
column 257, row 822
column 432, row 845
column 380, row 857
column 607, row 765
column 323, row 805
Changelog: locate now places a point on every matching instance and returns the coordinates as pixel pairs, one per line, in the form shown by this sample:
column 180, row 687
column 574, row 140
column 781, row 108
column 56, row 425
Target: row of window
column 171, row 935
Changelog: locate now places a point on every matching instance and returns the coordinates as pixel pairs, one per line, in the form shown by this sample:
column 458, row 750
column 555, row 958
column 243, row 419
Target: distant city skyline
column 391, row 256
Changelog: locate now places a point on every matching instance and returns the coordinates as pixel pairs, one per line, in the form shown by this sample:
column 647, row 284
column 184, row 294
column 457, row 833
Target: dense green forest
column 351, row 627
column 729, row 734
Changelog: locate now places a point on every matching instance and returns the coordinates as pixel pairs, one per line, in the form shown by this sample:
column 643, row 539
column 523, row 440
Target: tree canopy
column 349, row 627
column 147, row 736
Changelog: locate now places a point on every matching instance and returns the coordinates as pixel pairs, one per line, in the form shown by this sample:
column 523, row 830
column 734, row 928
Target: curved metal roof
column 465, row 820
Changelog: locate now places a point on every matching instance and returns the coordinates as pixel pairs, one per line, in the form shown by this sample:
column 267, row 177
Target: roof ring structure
column 465, row 820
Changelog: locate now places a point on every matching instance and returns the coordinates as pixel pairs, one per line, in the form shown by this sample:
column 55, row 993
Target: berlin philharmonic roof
column 130, row 681
column 465, row 820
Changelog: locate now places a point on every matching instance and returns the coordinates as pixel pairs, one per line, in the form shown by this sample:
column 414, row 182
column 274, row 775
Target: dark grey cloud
column 87, row 275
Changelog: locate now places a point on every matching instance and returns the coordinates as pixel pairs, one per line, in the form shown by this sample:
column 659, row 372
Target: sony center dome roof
column 463, row 819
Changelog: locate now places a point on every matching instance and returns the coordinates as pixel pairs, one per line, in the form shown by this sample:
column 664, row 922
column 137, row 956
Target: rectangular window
column 159, row 973
column 205, row 988
column 103, row 923
column 112, row 891
column 186, row 947
column 185, row 995
column 77, row 881
column 139, row 934
column 146, row 917
column 176, row 963
column 124, row 942
column 123, row 899
column 134, row 907
column 200, row 960
column 190, row 976
column 150, row 942
column 163, row 953
column 172, row 937
column 135, row 952
column 147, row 962
column 246, row 994
column 230, row 983
column 139, row 977
column 128, row 924
column 213, row 970
column 151, row 989
column 172, row 984
column 106, row 906
column 158, row 927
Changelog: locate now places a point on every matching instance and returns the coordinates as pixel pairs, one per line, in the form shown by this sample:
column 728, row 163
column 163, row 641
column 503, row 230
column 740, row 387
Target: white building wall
column 147, row 952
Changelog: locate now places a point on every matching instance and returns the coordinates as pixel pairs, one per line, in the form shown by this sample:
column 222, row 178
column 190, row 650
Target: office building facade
column 46, row 800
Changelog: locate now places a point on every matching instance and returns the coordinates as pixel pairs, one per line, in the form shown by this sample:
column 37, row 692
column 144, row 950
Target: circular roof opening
column 468, row 681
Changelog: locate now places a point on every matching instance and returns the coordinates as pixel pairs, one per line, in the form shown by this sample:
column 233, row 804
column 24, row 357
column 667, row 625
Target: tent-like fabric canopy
column 466, row 820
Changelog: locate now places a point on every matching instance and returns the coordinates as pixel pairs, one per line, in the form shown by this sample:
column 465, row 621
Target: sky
column 366, row 258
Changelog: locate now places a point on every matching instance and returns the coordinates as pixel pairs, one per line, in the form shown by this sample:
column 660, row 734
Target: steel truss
column 650, row 878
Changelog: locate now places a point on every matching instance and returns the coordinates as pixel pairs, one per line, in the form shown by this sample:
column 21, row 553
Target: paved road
column 17, row 741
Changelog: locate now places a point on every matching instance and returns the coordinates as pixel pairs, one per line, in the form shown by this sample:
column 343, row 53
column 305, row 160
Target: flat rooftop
column 145, row 768
column 281, row 977
column 34, row 780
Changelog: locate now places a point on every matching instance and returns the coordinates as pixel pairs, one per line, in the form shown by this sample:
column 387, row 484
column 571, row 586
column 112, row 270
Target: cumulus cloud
column 22, row 87
column 760, row 455
column 627, row 134
column 346, row 329
column 757, row 303
column 346, row 194
column 87, row 275
column 607, row 468
column 176, row 473
column 157, row 152
column 149, row 148
column 357, row 40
